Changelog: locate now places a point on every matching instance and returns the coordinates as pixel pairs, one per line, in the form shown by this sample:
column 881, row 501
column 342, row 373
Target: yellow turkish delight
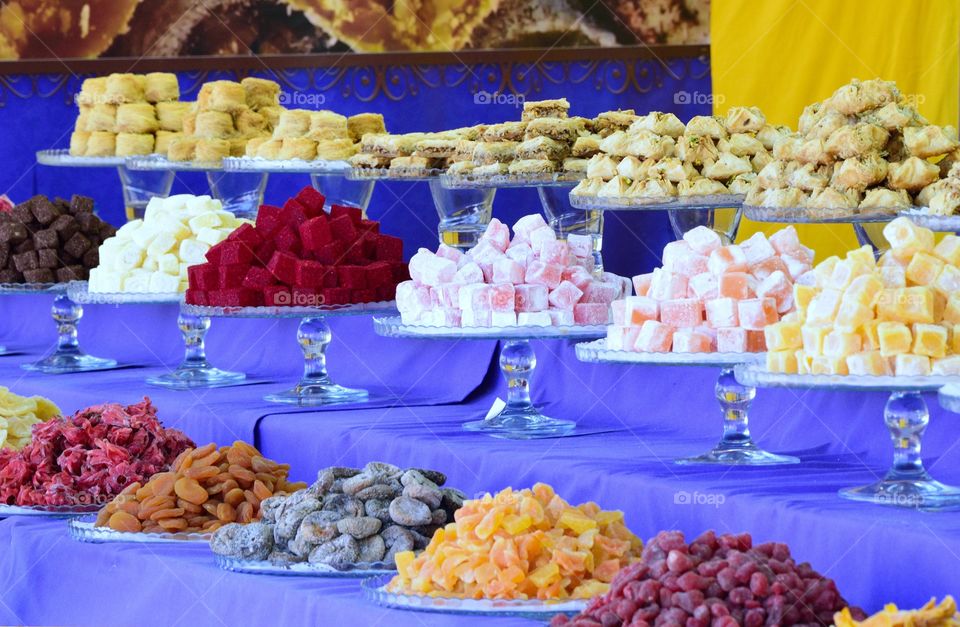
column 948, row 281
column 803, row 362
column 911, row 365
column 802, row 295
column 947, row 365
column 951, row 313
column 824, row 270
column 955, row 339
column 907, row 239
column 923, row 269
column 784, row 361
column 828, row 365
column 929, row 340
column 781, row 336
column 823, row 308
column 864, row 256
column 868, row 363
column 906, row 304
column 893, row 276
column 840, row 344
column 845, row 271
column 852, row 316
column 864, row 289
column 895, row 338
column 871, row 340
column 948, row 250
column 812, row 338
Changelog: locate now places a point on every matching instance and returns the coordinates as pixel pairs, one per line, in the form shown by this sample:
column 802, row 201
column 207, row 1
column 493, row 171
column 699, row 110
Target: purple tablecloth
column 632, row 423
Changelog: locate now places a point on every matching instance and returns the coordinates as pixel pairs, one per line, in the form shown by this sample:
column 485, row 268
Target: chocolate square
column 47, row 238
column 9, row 275
column 77, row 245
column 43, row 210
column 65, row 226
column 89, row 223
column 12, row 232
column 25, row 261
column 22, row 213
column 48, row 258
column 24, row 247
column 61, row 204
column 107, row 231
column 81, row 204
column 39, row 275
column 91, row 258
column 71, row 273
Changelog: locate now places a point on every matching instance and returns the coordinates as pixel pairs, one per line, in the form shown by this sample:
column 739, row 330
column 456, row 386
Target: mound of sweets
column 89, row 457
column 896, row 315
column 528, row 544
column 205, row 488
column 18, row 414
column 715, row 581
column 44, row 241
column 300, row 255
column 711, row 298
column 533, row 279
column 932, row 614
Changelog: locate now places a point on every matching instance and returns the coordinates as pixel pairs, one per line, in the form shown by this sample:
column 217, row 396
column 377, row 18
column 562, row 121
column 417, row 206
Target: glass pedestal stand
column 67, row 357
column 736, row 446
column 241, row 193
column 519, row 419
column 314, row 335
column 567, row 219
column 464, row 214
column 339, row 190
column 907, row 483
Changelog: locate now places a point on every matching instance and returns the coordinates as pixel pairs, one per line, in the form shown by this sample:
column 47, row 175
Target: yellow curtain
column 782, row 55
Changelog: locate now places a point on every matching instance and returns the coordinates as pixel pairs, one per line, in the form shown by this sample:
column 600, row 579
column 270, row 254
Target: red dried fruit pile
column 300, row 255
column 715, row 581
column 89, row 457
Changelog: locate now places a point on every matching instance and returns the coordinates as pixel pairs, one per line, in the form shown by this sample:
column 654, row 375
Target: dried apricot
column 162, row 483
column 203, row 451
column 188, row 507
column 261, row 490
column 234, row 497
column 251, row 498
column 189, row 490
column 245, row 513
column 130, row 507
column 122, row 521
column 226, row 513
column 174, row 512
column 237, row 457
column 202, row 473
column 173, row 524
column 210, row 460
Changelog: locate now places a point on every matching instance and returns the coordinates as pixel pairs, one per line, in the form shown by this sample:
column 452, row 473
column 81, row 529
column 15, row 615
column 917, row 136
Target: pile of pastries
column 127, row 114
column 863, row 147
column 308, row 135
column 656, row 156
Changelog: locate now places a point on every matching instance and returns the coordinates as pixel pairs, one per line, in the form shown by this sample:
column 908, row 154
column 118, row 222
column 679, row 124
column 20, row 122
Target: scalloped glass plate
column 160, row 162
column 597, row 352
column 678, row 203
column 78, row 293
column 756, row 375
column 32, row 288
column 82, row 530
column 258, row 164
column 810, row 215
column 394, row 327
column 47, row 511
column 374, row 590
column 62, row 157
column 357, row 309
column 547, row 179
column 950, row 397
column 946, row 224
column 302, row 569
column 393, row 174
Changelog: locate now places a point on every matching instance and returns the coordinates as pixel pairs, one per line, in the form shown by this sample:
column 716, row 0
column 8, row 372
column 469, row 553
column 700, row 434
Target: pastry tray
column 810, row 215
column 63, row 158
column 302, row 569
column 547, row 179
column 258, row 164
column 673, row 203
column 393, row 174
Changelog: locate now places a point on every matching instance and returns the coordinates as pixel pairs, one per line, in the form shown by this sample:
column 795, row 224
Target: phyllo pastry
column 697, row 149
column 744, row 120
column 727, row 167
column 709, row 125
column 930, row 141
column 701, row 187
column 882, row 198
column 859, row 172
column 659, row 123
column 912, row 174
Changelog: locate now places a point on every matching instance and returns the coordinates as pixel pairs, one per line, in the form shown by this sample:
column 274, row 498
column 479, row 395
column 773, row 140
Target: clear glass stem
column 907, row 418
column 567, row 219
column 517, row 362
column 139, row 186
column 340, row 190
column 67, row 314
column 195, row 371
column 464, row 214
column 735, row 400
column 240, row 192
column 726, row 222
column 314, row 336
column 194, row 330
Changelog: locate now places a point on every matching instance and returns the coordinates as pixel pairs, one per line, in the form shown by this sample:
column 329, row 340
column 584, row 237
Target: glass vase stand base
column 312, row 392
column 197, row 377
column 521, row 423
column 65, row 363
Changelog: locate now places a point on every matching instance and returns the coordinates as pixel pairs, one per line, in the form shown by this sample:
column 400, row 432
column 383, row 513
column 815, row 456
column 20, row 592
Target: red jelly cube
column 204, row 277
column 284, row 267
column 314, row 274
column 331, row 254
column 401, row 272
column 277, row 296
column 196, row 297
column 232, row 276
column 389, row 248
column 315, row 233
column 288, row 240
column 265, row 251
column 378, row 274
column 355, row 214
column 230, row 252
column 269, row 220
column 239, row 297
column 387, row 292
column 335, row 295
column 353, row 277
column 312, row 200
column 258, row 278
column 370, row 242
column 369, row 226
column 363, row 296
column 343, row 229
column 354, row 254
column 294, row 213
column 247, row 234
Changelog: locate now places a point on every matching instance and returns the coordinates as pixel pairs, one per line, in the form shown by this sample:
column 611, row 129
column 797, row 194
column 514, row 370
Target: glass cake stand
column 520, row 419
column 868, row 223
column 736, row 447
column 314, row 335
column 240, row 192
column 503, row 181
column 907, row 483
column 67, row 357
column 943, row 224
column 720, row 212
column 138, row 186
column 194, row 371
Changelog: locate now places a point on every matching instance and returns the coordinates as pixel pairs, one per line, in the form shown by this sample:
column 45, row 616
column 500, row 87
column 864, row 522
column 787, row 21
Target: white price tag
column 495, row 409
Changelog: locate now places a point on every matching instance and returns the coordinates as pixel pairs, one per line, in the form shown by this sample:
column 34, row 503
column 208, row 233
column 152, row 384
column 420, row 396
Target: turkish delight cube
column 756, row 313
column 355, row 214
column 948, row 281
column 498, row 234
column 555, row 251
column 906, row 238
column 654, row 337
column 823, row 307
column 601, row 292
column 929, row 340
column 642, row 283
column 477, row 318
column 681, row 312
column 907, row 304
column 924, row 269
column 869, row 363
column 802, row 295
column 620, row 338
column 474, row 297
column 502, row 297
column 673, row 251
column 784, row 361
column 283, row 266
column 795, row 267
column 822, row 364
column 735, row 285
column 591, row 313
column 565, row 295
column 413, row 298
column 578, row 276
column 580, row 245
column 639, row 309
column 948, row 249
column 547, row 274
column 691, row 341
column 618, row 312
column 432, row 270
column 531, row 297
column 527, row 225
column 447, row 295
column 722, row 312
column 539, row 236
column 703, row 286
column 895, row 338
column 841, row 344
column 946, row 365
column 732, row 340
column 503, row 318
column 703, row 240
column 667, row 286
column 506, row 270
column 561, row 317
column 907, row 365
column 768, row 266
column 786, row 241
column 534, row 319
column 468, row 273
column 757, row 248
column 521, row 253
column 727, row 259
column 782, row 336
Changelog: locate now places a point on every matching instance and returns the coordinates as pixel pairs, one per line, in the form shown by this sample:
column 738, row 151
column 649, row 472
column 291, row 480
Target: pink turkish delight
column 534, row 319
column 702, row 240
column 561, row 317
column 502, row 297
column 531, row 297
column 541, row 235
column 506, row 270
column 555, row 251
column 601, row 292
column 756, row 313
column 654, row 337
column 727, row 259
column 681, row 312
column 498, row 234
column 577, row 275
column 469, row 272
column 548, row 274
column 691, row 341
column 580, row 245
column 527, row 225
column 722, row 312
column 703, row 286
column 591, row 313
column 565, row 295
column 757, row 248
